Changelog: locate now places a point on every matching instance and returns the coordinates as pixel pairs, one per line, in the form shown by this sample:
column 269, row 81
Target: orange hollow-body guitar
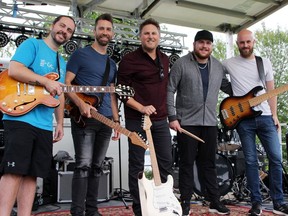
column 17, row 98
column 234, row 109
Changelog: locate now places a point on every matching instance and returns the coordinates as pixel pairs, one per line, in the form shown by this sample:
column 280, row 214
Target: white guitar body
column 158, row 200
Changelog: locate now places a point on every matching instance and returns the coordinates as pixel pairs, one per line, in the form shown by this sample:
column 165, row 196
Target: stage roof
column 214, row 15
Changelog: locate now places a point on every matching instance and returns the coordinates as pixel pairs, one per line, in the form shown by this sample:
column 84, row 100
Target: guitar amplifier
column 64, row 187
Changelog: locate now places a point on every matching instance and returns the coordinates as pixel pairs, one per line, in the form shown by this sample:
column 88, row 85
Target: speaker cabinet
column 64, row 188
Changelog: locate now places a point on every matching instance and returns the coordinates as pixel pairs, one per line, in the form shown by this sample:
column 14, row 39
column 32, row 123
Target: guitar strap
column 260, row 68
column 105, row 79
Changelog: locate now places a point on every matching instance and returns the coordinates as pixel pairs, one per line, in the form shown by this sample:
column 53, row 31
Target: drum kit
column 230, row 166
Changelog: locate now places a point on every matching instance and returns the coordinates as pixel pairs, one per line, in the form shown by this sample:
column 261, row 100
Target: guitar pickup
column 30, row 89
column 224, row 114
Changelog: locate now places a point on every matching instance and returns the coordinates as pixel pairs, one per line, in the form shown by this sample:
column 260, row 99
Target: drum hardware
column 231, row 177
column 175, row 150
column 242, row 193
column 228, row 140
column 262, row 174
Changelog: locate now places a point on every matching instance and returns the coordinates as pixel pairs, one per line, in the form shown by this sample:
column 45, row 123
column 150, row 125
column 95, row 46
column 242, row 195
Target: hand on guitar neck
column 18, row 98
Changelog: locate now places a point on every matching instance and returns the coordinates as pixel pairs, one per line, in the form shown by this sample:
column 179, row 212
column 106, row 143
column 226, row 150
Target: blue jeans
column 264, row 128
column 90, row 144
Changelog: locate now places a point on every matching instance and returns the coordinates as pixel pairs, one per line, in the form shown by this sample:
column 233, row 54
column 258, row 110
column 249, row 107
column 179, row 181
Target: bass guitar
column 234, row 109
column 17, row 98
column 156, row 198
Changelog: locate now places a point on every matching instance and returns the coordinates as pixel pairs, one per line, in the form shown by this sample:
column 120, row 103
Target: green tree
column 273, row 44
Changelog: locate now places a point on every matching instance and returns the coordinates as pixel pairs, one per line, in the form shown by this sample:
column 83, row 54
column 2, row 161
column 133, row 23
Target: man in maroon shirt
column 146, row 70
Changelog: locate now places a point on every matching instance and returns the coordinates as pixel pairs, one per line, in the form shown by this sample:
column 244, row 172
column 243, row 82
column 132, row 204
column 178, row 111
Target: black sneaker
column 185, row 207
column 219, row 208
column 256, row 209
column 280, row 209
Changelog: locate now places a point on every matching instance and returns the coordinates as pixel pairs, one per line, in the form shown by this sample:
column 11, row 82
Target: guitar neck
column 88, row 89
column 259, row 99
column 110, row 123
column 154, row 164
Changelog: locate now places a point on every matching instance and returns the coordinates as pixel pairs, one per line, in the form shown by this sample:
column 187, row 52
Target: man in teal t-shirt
column 29, row 137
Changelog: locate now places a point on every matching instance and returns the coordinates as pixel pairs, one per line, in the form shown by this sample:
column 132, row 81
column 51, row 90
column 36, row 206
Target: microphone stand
column 120, row 194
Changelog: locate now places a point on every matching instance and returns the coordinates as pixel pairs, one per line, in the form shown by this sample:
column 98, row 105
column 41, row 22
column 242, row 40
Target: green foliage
column 148, row 174
column 219, row 49
column 8, row 51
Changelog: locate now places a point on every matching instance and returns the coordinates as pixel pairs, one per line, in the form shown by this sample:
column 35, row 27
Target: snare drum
column 225, row 176
column 228, row 140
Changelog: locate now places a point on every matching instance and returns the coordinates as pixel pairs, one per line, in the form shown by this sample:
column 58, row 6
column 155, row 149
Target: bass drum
column 225, row 176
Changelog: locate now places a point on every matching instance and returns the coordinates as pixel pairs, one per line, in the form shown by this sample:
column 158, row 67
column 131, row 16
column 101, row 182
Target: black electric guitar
column 73, row 111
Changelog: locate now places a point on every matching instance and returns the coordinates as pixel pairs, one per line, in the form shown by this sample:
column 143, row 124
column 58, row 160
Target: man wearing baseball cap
column 197, row 78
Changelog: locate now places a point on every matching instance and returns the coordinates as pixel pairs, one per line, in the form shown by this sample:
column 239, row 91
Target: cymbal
column 228, row 147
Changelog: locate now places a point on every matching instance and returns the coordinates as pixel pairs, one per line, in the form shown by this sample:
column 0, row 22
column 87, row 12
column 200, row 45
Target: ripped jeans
column 90, row 145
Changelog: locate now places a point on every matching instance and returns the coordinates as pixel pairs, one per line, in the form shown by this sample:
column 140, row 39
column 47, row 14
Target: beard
column 101, row 42
column 201, row 56
column 246, row 52
column 59, row 42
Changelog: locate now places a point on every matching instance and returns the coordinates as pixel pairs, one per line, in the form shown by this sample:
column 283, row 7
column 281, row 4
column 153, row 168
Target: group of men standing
column 195, row 79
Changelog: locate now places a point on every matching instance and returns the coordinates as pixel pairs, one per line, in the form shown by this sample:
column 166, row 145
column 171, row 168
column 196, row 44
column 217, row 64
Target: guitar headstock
column 124, row 91
column 137, row 139
column 146, row 122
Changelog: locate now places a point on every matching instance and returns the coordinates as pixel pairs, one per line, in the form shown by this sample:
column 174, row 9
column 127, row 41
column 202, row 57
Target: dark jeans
column 163, row 148
column 205, row 155
column 90, row 144
column 264, row 128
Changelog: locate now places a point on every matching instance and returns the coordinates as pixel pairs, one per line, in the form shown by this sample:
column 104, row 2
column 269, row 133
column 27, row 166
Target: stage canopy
column 228, row 16
column 214, row 15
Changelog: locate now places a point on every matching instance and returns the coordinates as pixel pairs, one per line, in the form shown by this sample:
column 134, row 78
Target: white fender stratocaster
column 157, row 198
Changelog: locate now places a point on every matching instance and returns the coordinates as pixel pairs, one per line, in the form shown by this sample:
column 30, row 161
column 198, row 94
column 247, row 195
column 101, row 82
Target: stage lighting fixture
column 40, row 35
column 70, row 47
column 173, row 58
column 20, row 39
column 126, row 51
column 4, row 39
column 110, row 51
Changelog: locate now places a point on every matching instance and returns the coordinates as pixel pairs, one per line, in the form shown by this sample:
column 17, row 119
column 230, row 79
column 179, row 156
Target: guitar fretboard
column 110, row 123
column 259, row 99
column 135, row 139
column 87, row 89
column 155, row 170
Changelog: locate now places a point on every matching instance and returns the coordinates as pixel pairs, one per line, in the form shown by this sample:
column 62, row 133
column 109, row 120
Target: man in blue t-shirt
column 88, row 66
column 29, row 137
